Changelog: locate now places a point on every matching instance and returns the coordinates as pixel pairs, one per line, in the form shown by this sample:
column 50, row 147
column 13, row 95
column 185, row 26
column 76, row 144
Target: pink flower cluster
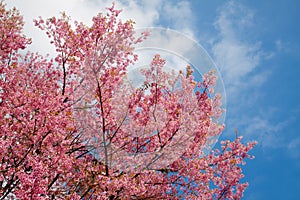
column 73, row 128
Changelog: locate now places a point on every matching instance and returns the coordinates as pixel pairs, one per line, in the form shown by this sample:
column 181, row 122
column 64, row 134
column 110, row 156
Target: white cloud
column 235, row 54
column 144, row 13
column 235, row 59
column 261, row 128
column 279, row 45
column 270, row 131
column 282, row 46
column 294, row 148
column 267, row 132
column 180, row 16
column 31, row 9
column 239, row 58
column 172, row 45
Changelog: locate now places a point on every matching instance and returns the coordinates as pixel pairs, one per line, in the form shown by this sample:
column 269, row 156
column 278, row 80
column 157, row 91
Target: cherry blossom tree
column 75, row 127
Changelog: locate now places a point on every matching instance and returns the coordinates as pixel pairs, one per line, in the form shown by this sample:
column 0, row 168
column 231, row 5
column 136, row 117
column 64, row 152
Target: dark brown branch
column 53, row 181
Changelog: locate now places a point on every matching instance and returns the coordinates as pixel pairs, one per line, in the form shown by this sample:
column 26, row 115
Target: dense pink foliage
column 74, row 128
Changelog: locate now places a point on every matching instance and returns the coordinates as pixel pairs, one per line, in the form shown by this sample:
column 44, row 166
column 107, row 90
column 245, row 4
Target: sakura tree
column 74, row 127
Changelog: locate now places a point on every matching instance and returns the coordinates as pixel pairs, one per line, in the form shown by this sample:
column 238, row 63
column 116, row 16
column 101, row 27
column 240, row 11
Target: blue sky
column 256, row 46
